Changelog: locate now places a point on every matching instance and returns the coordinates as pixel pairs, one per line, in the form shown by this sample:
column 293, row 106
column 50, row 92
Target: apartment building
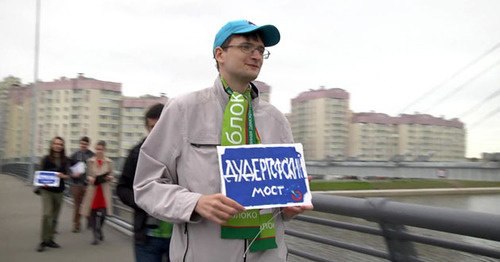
column 373, row 136
column 72, row 108
column 16, row 134
column 5, row 86
column 76, row 107
column 424, row 137
column 133, row 123
column 264, row 90
column 418, row 137
column 320, row 121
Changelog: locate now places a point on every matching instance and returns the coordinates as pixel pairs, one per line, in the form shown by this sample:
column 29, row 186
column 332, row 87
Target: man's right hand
column 75, row 175
column 217, row 208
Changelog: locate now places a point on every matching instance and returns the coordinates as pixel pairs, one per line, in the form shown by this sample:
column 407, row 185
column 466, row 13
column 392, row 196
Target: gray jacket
column 178, row 163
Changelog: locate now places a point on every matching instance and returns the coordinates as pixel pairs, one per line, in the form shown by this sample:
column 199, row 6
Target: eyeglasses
column 248, row 48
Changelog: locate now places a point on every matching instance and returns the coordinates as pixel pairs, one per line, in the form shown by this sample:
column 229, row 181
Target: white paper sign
column 48, row 178
column 78, row 168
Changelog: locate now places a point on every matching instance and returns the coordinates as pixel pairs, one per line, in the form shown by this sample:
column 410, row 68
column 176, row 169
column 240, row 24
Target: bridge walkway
column 20, row 217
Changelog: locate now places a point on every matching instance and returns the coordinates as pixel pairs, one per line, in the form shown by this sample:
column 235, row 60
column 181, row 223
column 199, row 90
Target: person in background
column 97, row 201
column 79, row 180
column 151, row 236
column 52, row 197
column 177, row 177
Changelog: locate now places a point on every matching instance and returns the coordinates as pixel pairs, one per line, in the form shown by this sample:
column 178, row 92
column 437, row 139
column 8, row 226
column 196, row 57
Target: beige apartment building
column 264, row 90
column 71, row 108
column 322, row 121
column 5, row 86
column 17, row 123
column 418, row 137
column 373, row 137
column 424, row 136
column 133, row 124
column 76, row 107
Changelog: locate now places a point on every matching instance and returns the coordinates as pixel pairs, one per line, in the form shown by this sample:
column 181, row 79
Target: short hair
column 153, row 112
column 85, row 139
column 102, row 143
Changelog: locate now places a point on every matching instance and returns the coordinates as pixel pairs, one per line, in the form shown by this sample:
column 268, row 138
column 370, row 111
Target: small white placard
column 78, row 168
column 47, row 178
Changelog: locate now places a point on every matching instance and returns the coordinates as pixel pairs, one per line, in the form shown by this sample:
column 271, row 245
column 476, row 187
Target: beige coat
column 92, row 171
column 178, row 163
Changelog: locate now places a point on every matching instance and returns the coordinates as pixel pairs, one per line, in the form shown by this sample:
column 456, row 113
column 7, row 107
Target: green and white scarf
column 238, row 128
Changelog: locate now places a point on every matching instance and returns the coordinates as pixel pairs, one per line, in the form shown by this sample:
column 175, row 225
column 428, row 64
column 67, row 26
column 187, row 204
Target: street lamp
column 33, row 113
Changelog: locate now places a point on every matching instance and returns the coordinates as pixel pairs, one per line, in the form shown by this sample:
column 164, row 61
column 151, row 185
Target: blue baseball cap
column 270, row 33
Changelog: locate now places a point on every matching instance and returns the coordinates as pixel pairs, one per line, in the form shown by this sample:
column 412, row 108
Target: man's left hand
column 293, row 211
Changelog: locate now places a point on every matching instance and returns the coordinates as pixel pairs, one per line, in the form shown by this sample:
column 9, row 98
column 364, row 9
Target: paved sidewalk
column 20, row 217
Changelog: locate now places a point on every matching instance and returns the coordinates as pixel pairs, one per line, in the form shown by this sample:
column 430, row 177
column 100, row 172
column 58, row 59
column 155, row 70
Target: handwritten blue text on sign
column 264, row 176
column 46, row 178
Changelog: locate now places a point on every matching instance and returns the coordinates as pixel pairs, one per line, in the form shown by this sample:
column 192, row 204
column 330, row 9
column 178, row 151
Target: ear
column 219, row 54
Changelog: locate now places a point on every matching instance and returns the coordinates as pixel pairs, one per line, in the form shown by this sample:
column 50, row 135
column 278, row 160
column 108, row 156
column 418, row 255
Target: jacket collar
column 223, row 97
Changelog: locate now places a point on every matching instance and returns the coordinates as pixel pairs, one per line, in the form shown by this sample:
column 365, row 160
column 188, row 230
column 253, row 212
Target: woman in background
column 52, row 197
column 97, row 202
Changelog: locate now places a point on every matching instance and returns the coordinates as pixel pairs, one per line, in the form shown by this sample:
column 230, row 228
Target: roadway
column 20, row 217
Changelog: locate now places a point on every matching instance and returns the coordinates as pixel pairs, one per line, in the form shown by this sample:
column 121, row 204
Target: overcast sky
column 385, row 53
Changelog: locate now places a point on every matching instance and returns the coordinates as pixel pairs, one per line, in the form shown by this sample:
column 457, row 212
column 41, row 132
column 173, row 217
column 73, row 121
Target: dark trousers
column 97, row 217
column 51, row 205
column 77, row 192
column 156, row 249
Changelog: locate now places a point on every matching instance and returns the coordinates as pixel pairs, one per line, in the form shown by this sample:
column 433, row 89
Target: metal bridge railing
column 392, row 219
column 20, row 169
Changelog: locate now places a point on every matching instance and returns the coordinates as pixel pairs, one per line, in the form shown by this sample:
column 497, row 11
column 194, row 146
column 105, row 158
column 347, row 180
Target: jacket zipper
column 204, row 145
column 187, row 241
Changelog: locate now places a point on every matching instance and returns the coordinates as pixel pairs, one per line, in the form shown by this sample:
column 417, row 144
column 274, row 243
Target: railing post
column 399, row 249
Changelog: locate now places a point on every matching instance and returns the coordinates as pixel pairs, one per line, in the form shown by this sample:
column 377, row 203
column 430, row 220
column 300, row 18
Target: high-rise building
column 17, row 134
column 5, row 85
column 373, row 136
column 71, row 108
column 320, row 121
column 427, row 138
column 264, row 90
column 76, row 107
column 133, row 122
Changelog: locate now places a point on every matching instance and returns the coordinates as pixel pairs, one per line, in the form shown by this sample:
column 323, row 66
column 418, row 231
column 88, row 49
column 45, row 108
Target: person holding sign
column 52, row 196
column 97, row 201
column 177, row 176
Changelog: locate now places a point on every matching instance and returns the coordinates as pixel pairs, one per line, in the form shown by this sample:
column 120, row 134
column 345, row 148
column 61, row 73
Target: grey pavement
column 20, row 218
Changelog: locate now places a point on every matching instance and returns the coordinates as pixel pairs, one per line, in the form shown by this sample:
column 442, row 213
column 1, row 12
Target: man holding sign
column 178, row 176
